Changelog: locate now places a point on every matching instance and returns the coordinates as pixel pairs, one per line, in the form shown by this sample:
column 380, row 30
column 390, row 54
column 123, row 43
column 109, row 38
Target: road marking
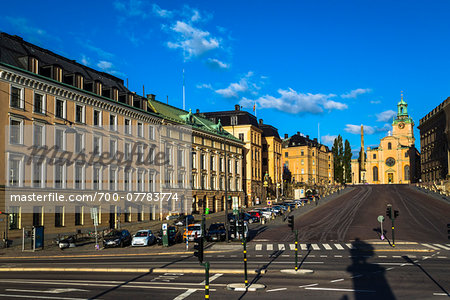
column 440, row 294
column 258, row 247
column 315, row 247
column 292, row 247
column 312, row 255
column 212, row 278
column 327, row 247
column 52, row 291
column 303, row 247
column 314, row 284
column 338, row 256
column 441, row 256
column 388, row 269
column 339, row 290
column 337, row 280
column 350, row 246
column 233, row 255
column 441, row 246
column 285, row 255
column 396, row 256
column 220, row 255
column 339, row 247
column 281, row 247
column 269, row 247
column 324, row 256
column 259, row 255
column 383, row 256
column 275, row 290
column 185, row 294
column 39, row 297
column 432, row 247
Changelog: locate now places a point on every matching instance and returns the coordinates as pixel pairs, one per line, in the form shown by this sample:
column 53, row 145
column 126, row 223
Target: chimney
column 237, row 107
column 315, row 139
column 151, row 97
column 197, row 111
column 307, row 137
column 298, row 133
column 260, row 121
column 286, row 135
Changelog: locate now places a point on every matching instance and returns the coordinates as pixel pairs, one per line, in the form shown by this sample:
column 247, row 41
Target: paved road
column 352, row 216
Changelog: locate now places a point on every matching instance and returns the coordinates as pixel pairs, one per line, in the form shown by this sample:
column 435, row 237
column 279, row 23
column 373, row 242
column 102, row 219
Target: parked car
column 245, row 216
column 193, row 231
column 181, row 221
column 117, row 238
column 216, row 232
column 255, row 214
column 173, row 216
column 143, row 238
column 66, row 242
column 173, row 234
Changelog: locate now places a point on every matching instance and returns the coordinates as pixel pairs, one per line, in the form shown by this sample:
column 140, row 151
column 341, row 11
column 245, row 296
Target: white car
column 143, row 238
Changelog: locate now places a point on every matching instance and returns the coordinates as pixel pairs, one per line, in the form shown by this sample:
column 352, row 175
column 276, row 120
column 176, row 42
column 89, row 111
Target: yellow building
column 271, row 157
column 395, row 159
column 307, row 161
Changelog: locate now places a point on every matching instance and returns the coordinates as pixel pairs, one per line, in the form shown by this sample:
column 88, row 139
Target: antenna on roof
column 143, row 91
column 184, row 94
column 127, row 83
column 167, row 99
column 318, row 131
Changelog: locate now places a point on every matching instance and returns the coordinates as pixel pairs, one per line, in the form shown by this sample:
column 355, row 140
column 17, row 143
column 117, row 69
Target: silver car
column 143, row 238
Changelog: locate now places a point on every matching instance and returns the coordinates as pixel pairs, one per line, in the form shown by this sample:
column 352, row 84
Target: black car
column 216, row 232
column 175, row 236
column 181, row 221
column 243, row 216
column 117, row 238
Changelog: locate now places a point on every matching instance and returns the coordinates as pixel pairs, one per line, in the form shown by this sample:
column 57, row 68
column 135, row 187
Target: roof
column 269, row 130
column 243, row 117
column 300, row 140
column 188, row 118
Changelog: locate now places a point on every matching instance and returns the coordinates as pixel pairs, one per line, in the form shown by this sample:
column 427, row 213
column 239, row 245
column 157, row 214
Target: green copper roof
column 183, row 117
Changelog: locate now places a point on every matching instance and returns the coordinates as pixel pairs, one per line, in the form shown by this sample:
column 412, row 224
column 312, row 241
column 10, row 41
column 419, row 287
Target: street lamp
column 266, row 185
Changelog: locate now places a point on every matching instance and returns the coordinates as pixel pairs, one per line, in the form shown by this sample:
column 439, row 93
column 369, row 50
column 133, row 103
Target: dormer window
column 33, row 65
column 98, row 88
column 57, row 73
column 79, row 81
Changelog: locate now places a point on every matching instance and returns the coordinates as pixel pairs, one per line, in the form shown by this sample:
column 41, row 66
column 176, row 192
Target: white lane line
column 285, row 255
column 429, row 246
column 275, row 290
column 441, row 256
column 212, row 278
column 337, row 280
column 338, row 256
column 324, row 256
column 396, row 256
column 441, row 246
column 447, row 245
column 51, row 291
column 233, row 255
column 308, row 285
column 312, row 255
column 259, row 255
column 339, row 247
column 303, row 247
column 388, row 269
column 258, row 247
column 292, row 247
column 350, row 246
column 327, row 247
column 269, row 247
column 185, row 294
column 339, row 290
column 281, row 247
column 412, row 256
column 315, row 247
column 382, row 256
column 440, row 294
column 220, row 255
column 39, row 297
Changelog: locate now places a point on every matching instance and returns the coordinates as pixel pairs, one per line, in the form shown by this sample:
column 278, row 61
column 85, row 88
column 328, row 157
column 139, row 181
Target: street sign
column 380, row 219
column 269, row 202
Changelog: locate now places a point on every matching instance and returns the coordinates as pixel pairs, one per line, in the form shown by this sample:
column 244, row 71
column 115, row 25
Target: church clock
column 401, row 125
column 390, row 161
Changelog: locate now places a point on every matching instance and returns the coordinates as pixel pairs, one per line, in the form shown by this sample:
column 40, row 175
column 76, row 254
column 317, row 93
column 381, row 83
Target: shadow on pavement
column 369, row 281
column 409, row 260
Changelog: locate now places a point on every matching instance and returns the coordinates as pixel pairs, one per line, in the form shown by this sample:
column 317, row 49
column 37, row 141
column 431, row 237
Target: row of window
column 406, row 173
column 213, row 184
column 214, row 162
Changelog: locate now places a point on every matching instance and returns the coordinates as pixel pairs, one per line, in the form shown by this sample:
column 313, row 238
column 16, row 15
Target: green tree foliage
column 347, row 161
column 338, row 153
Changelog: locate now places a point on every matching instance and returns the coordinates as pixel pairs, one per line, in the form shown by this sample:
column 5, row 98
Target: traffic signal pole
column 206, row 265
column 296, row 250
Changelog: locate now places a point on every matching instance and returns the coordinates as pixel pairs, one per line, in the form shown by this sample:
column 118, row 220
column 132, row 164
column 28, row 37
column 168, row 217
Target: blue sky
column 337, row 63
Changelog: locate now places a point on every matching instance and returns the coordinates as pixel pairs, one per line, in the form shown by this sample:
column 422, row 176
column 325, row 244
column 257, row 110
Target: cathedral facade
column 396, row 159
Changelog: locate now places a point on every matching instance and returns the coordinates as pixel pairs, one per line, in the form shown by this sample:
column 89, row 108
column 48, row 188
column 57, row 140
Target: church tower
column 403, row 125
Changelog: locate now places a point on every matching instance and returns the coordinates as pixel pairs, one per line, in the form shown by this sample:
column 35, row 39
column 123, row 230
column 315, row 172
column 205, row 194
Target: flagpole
column 184, row 94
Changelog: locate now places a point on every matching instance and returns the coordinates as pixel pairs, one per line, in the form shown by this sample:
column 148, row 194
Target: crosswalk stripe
column 339, row 247
column 281, row 247
column 292, row 247
column 269, row 247
column 303, row 247
column 315, row 247
column 441, row 246
column 432, row 247
column 258, row 247
column 327, row 247
column 350, row 246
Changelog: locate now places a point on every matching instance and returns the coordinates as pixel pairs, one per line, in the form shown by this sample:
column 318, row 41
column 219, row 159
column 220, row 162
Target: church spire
column 402, row 108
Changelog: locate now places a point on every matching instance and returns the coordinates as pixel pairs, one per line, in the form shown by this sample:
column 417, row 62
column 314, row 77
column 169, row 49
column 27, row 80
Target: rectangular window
column 59, row 216
column 59, row 175
column 78, row 213
column 79, row 176
column 180, row 158
column 38, row 174
column 60, row 139
column 151, row 132
column 140, row 181
column 97, row 118
column 127, row 126
column 16, row 131
column 79, row 114
column 112, row 179
column 140, row 129
column 151, row 183
column 14, row 217
column 194, row 160
column 286, row 154
column 140, row 153
column 79, row 142
column 213, row 182
column 234, row 120
column 112, row 147
column 15, row 171
column 374, row 156
column 303, row 171
column 37, row 216
column 97, row 145
column 127, row 180
column 96, row 178
column 127, row 151
column 16, row 97
column 38, row 135
column 60, row 109
column 113, row 122
column 39, row 105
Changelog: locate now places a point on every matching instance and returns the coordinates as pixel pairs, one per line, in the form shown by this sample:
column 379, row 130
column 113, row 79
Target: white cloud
column 328, row 139
column 217, row 64
column 244, row 85
column 356, row 129
column 375, row 102
column 192, row 41
column 132, row 8
column 105, row 65
column 291, row 101
column 386, row 116
column 163, row 13
column 204, row 86
column 356, row 93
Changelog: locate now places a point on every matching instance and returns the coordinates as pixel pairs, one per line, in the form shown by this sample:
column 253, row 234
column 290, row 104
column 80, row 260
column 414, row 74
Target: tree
column 347, row 161
column 338, row 154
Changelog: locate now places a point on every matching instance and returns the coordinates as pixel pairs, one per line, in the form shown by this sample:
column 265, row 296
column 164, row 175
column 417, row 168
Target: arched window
column 389, row 146
column 375, row 173
column 406, row 176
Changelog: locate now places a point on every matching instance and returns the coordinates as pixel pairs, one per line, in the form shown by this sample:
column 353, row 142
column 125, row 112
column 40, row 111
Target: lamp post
column 266, row 185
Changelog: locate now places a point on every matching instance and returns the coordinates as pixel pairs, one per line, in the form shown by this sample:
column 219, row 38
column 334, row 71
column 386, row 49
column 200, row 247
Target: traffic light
column 241, row 228
column 291, row 222
column 395, row 214
column 389, row 212
column 232, row 229
column 198, row 249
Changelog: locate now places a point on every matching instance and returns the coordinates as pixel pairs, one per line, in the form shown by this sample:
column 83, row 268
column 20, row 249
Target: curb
column 132, row 270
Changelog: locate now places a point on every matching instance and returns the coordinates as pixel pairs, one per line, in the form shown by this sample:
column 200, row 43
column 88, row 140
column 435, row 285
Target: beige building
column 307, row 161
column 271, row 158
column 395, row 160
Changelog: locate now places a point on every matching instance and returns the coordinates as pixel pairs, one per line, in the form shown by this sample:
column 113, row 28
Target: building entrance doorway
column 390, row 177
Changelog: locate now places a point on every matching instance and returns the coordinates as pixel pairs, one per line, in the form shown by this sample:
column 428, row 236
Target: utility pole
column 227, row 225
